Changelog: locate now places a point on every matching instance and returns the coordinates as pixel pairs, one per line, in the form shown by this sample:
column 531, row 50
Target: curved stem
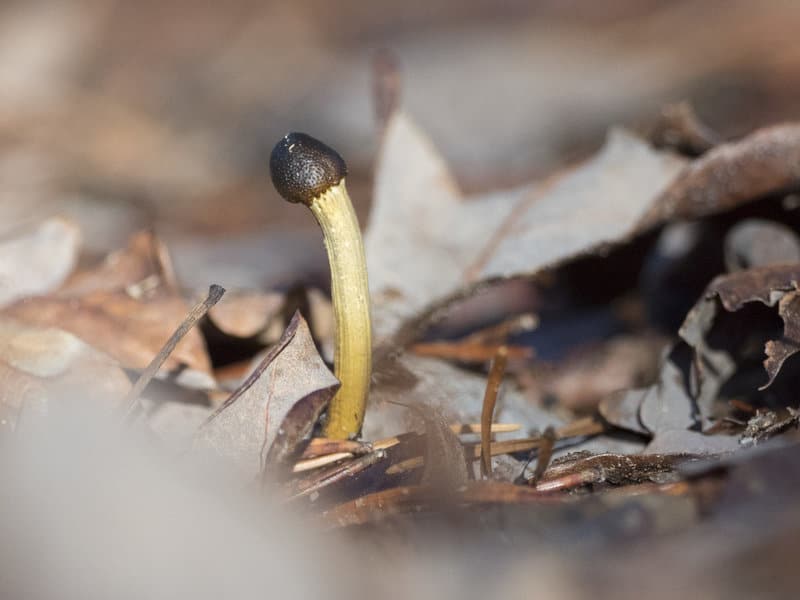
column 350, row 294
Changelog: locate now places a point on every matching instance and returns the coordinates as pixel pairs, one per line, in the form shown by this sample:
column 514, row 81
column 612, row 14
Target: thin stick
column 215, row 292
column 324, row 446
column 505, row 447
column 545, row 453
column 581, row 427
column 476, row 428
column 475, row 452
column 342, row 449
column 496, row 372
column 320, row 461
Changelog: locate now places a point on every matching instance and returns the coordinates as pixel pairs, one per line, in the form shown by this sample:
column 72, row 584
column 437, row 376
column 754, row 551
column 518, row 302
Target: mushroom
column 307, row 171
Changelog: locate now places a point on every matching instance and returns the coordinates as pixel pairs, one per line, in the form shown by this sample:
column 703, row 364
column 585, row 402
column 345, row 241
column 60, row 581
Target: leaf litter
column 668, row 443
column 265, row 421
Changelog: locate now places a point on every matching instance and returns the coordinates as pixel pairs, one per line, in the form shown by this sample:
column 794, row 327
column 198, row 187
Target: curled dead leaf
column 127, row 306
column 427, row 244
column 718, row 338
column 763, row 163
column 267, row 419
column 778, row 351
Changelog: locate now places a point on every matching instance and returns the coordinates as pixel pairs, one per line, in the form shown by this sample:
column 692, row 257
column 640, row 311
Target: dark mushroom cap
column 302, row 167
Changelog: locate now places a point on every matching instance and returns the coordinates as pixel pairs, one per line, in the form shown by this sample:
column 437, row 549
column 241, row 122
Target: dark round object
column 302, row 167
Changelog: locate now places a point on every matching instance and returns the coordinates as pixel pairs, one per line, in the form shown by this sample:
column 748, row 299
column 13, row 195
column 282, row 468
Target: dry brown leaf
column 426, row 242
column 613, row 469
column 130, row 330
column 716, row 341
column 768, row 285
column 779, row 350
column 679, row 127
column 143, row 265
column 593, row 373
column 468, row 352
column 41, row 365
column 763, row 163
column 669, row 404
column 445, row 464
column 428, row 245
column 127, row 307
column 248, row 313
column 37, row 259
column 414, row 499
column 244, row 314
column 266, row 420
column 621, row 409
column 458, row 394
column 768, row 423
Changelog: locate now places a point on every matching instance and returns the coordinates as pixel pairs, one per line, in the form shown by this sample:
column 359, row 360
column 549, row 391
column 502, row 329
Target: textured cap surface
column 302, row 167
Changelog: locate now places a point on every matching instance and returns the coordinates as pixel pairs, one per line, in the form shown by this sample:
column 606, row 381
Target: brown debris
column 245, row 314
column 43, row 365
column 266, row 421
column 445, row 464
column 336, row 474
column 321, row 446
column 763, row 163
column 621, row 409
column 755, row 285
column 768, row 423
column 767, row 285
column 480, row 347
column 679, row 127
column 381, row 505
column 131, row 403
column 127, row 307
column 145, row 263
column 778, row 351
column 493, row 383
column 612, row 469
column 468, row 352
column 545, row 454
column 594, row 372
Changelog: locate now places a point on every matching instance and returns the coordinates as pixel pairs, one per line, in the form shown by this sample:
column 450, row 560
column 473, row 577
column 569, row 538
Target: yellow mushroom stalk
column 306, row 170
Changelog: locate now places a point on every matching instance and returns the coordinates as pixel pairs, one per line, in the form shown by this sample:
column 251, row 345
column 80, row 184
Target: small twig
column 496, row 373
column 505, row 447
column 310, row 464
column 320, row 446
column 133, row 406
column 406, row 465
column 545, row 453
column 337, row 473
column 468, row 352
column 323, row 451
column 610, row 469
column 476, row 428
column 582, row 427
